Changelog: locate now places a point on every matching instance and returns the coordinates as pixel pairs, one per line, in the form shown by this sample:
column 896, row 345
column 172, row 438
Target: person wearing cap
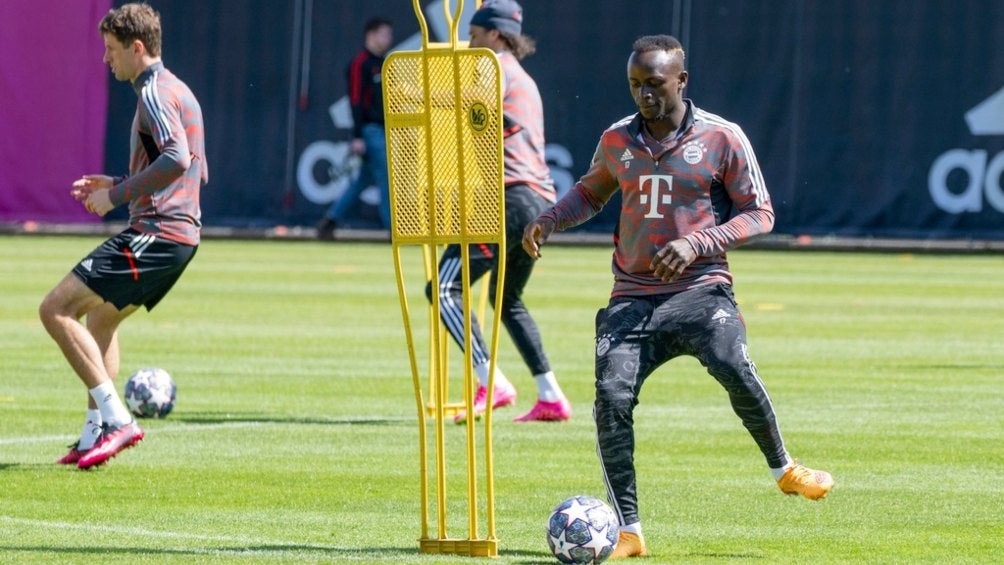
column 529, row 190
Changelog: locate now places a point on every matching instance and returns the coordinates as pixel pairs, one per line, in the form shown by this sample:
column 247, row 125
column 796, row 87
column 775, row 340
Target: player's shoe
column 73, row 455
column 505, row 394
column 629, row 545
column 112, row 442
column 544, row 411
column 811, row 484
column 326, row 229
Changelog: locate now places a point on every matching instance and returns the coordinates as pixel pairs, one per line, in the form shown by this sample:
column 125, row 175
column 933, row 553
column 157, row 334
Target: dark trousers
column 522, row 205
column 634, row 336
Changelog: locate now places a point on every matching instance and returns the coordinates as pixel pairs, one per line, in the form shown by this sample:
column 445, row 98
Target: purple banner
column 53, row 106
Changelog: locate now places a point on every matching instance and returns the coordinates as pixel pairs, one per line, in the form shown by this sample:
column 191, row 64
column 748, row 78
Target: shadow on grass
column 538, row 558
column 533, row 558
column 382, row 553
column 240, row 550
column 953, row 366
column 215, row 418
column 725, row 555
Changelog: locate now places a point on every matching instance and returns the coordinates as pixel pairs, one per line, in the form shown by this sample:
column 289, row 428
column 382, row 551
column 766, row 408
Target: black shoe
column 326, row 229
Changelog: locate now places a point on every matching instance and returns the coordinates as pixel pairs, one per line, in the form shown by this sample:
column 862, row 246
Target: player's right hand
column 669, row 262
column 535, row 234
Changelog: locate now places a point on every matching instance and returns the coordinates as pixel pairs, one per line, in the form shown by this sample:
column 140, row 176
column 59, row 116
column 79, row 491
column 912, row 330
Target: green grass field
column 295, row 436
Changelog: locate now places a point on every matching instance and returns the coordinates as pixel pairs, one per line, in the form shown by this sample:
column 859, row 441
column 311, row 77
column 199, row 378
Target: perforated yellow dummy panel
column 443, row 113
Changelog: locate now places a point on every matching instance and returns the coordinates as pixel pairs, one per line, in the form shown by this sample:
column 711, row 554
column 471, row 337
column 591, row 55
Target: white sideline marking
column 245, row 540
column 184, row 428
column 33, row 439
column 187, row 428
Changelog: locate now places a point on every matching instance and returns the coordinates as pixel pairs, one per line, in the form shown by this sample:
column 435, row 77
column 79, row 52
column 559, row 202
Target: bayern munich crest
column 693, row 152
column 603, row 345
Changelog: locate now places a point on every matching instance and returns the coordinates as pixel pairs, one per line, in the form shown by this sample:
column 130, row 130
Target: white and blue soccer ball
column 582, row 529
column 150, row 393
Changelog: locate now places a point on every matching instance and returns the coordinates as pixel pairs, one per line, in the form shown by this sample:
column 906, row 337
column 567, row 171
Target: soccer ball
column 582, row 529
column 150, row 393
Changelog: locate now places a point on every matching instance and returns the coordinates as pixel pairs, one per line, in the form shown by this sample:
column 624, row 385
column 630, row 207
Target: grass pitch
column 295, row 434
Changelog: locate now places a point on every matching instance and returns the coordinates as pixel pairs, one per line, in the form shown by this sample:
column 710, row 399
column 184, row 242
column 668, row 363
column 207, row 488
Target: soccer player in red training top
column 691, row 190
column 529, row 190
column 167, row 169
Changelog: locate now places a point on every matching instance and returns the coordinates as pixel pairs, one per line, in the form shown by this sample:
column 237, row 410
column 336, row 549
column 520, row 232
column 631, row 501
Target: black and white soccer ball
column 582, row 529
column 150, row 393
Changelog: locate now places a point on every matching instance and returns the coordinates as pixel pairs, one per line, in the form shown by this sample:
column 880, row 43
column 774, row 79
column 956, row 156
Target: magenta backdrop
column 53, row 104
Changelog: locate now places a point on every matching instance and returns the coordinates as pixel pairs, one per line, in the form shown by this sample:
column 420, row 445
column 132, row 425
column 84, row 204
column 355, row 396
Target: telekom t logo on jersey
column 653, row 194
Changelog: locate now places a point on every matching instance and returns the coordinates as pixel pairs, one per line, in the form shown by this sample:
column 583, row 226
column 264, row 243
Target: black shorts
column 134, row 268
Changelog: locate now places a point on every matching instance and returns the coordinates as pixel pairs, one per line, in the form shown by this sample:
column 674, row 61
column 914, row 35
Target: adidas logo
column 140, row 243
column 86, row 263
column 626, row 156
column 721, row 315
column 977, row 166
column 987, row 117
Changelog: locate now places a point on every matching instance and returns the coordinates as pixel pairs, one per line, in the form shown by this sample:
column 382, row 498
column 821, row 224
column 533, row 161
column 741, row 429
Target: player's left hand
column 671, row 260
column 98, row 202
column 86, row 184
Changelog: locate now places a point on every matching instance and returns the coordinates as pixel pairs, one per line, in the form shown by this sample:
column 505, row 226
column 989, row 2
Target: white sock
column 777, row 473
column 633, row 528
column 481, row 370
column 92, row 430
column 547, row 387
column 113, row 412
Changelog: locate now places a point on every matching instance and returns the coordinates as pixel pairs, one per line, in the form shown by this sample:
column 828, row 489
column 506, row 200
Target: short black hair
column 377, row 23
column 656, row 43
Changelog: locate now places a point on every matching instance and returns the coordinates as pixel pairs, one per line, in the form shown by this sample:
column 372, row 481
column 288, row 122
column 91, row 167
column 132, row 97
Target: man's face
column 381, row 39
column 479, row 37
column 657, row 80
column 122, row 59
